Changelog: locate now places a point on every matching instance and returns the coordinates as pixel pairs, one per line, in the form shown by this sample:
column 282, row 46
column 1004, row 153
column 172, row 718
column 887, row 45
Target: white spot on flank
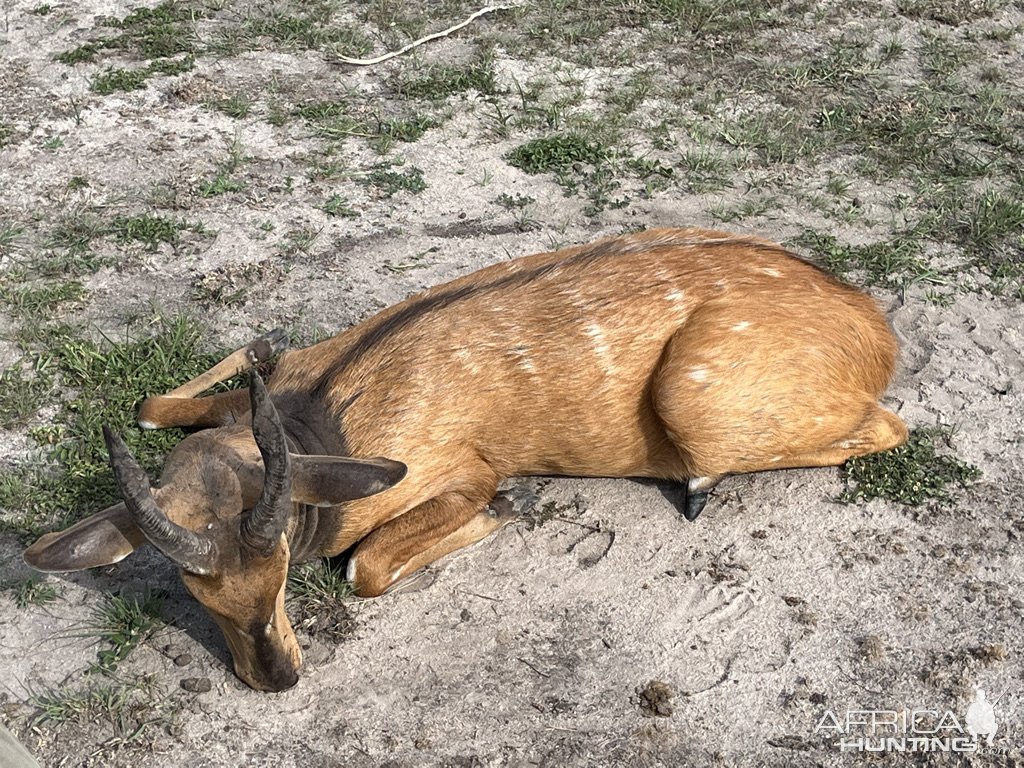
column 674, row 295
column 775, row 459
column 699, row 373
column 771, row 272
column 522, row 352
column 465, row 357
column 819, row 419
column 394, row 575
column 741, row 326
column 601, row 347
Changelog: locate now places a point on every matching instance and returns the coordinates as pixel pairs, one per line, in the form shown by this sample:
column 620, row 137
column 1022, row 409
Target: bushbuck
column 680, row 354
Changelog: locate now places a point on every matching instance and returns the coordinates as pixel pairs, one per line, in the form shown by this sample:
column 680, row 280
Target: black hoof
column 694, row 504
column 268, row 345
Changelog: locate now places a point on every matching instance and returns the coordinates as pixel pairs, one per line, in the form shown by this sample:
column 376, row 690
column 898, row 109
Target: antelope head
column 222, row 514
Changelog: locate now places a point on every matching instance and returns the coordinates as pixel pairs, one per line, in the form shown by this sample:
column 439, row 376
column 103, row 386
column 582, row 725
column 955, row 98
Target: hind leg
column 882, row 430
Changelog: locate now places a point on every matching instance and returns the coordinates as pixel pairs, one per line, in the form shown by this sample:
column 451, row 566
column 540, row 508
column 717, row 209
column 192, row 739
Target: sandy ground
column 535, row 647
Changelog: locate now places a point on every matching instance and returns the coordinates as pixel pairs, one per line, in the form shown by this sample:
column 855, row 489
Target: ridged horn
column 263, row 526
column 188, row 550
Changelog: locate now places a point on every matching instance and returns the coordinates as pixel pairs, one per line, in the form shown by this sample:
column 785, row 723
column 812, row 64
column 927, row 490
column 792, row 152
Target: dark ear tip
column 397, row 471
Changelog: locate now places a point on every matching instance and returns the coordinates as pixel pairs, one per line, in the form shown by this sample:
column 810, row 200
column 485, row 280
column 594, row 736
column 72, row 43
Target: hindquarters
column 764, row 382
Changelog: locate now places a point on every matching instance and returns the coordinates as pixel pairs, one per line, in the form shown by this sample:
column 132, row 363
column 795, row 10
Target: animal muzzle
column 267, row 657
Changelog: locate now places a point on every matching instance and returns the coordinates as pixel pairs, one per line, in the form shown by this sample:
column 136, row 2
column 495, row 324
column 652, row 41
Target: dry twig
column 427, row 39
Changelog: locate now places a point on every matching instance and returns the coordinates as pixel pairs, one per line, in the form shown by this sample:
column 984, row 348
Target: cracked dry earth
column 601, row 630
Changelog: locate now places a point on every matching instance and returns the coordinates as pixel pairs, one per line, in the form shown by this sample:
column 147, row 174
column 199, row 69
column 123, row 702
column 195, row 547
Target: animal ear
column 324, row 481
column 101, row 539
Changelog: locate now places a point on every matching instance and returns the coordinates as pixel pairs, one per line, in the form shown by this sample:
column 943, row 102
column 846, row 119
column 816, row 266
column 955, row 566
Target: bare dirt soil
column 603, row 629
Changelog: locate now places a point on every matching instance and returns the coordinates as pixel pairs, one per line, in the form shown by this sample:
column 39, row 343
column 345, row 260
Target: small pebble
column 182, row 660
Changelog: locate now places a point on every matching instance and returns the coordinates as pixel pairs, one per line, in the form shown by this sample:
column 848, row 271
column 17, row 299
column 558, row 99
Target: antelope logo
column 685, row 355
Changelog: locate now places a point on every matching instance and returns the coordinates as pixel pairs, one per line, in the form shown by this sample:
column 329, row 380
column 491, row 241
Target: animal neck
column 309, row 425
column 309, row 528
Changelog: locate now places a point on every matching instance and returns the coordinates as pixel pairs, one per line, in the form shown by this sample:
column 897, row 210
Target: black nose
column 284, row 682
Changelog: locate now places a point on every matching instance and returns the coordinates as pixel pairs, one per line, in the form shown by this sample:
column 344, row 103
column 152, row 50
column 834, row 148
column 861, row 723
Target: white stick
column 427, row 39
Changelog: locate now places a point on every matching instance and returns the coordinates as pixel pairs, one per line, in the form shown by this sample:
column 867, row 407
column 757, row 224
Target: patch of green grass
column 150, row 230
column 438, row 82
column 22, row 394
column 298, row 240
column 132, row 711
column 558, row 152
column 10, row 234
column 389, row 183
column 76, row 231
column 408, row 129
column 510, row 203
column 157, row 33
column 33, row 300
column 942, row 56
column 83, row 53
column 318, row 581
column 317, row 593
column 774, row 136
column 113, row 80
column 237, row 106
column 913, row 474
column 844, row 61
column 887, row 262
column 982, row 223
column 316, row 111
column 221, row 184
column 41, row 10
column 171, row 67
column 330, row 119
column 310, row 28
column 706, row 170
column 105, row 382
column 6, row 132
column 387, row 132
column 123, row 623
column 748, row 207
column 987, row 224
column 33, row 591
column 951, row 12
column 337, row 205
